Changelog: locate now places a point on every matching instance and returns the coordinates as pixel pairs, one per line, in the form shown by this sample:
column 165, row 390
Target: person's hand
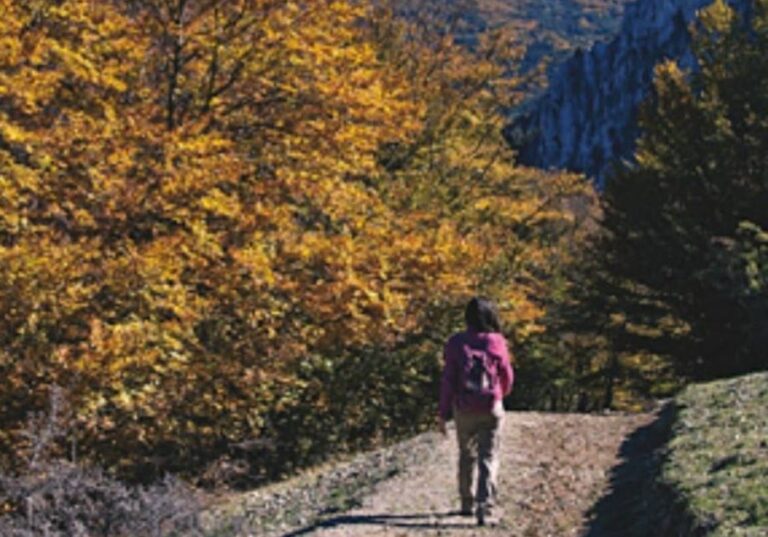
column 441, row 426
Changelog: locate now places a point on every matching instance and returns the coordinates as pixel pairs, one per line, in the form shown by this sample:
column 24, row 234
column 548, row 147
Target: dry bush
column 54, row 497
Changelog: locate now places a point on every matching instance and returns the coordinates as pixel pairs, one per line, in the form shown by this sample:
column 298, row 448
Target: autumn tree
column 243, row 227
column 185, row 216
column 460, row 170
column 525, row 227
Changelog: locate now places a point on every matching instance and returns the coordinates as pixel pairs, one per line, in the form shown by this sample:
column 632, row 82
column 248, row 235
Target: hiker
column 476, row 377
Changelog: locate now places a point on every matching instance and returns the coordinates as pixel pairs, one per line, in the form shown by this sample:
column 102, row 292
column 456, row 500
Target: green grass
column 718, row 456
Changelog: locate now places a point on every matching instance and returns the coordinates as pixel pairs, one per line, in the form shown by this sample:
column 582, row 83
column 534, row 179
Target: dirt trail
column 554, row 468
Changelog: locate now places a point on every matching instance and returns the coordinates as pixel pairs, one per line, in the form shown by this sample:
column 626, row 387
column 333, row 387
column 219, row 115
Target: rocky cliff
column 586, row 119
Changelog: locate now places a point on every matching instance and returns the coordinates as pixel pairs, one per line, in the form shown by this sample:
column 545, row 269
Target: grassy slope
column 718, row 456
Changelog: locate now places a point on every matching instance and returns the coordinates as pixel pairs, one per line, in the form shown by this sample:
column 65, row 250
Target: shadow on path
column 637, row 504
column 450, row 520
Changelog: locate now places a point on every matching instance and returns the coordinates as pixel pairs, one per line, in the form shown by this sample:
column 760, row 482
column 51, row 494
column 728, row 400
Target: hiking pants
column 479, row 438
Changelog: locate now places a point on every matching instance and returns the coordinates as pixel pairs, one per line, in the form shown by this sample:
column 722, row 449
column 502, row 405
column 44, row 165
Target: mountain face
column 586, row 119
column 549, row 29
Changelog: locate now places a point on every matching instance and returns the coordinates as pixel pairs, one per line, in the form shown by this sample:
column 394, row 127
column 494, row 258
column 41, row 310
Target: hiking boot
column 487, row 517
column 467, row 508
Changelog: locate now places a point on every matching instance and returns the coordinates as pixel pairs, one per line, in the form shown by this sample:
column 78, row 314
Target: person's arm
column 506, row 373
column 448, row 383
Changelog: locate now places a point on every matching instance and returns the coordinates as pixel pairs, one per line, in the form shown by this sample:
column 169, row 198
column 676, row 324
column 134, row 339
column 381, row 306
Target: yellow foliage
column 196, row 200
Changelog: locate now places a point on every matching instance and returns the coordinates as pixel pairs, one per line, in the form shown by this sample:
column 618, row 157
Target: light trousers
column 479, row 437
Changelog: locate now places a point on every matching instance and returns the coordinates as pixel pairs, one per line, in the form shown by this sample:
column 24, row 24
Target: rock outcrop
column 586, row 119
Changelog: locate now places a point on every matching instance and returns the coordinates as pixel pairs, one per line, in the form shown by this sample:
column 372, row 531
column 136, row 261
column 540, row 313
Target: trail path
column 554, row 469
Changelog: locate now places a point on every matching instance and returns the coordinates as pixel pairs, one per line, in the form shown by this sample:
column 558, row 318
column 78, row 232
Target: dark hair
column 481, row 315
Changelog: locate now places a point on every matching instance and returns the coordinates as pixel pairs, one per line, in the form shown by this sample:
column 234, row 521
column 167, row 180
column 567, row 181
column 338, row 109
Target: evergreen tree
column 684, row 223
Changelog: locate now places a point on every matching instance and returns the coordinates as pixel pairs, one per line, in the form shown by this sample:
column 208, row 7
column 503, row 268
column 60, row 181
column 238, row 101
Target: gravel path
column 554, row 468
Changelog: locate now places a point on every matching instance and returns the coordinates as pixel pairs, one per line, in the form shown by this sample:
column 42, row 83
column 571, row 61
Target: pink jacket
column 493, row 344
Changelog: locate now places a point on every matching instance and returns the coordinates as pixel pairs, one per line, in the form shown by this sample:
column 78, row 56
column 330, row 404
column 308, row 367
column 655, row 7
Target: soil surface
column 558, row 474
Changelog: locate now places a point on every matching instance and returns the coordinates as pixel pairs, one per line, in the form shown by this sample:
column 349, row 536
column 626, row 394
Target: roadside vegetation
column 718, row 456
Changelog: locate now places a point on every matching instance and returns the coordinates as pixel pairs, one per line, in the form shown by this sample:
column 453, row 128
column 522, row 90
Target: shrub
column 55, row 497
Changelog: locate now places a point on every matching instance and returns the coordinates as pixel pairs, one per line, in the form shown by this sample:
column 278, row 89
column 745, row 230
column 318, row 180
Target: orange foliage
column 196, row 201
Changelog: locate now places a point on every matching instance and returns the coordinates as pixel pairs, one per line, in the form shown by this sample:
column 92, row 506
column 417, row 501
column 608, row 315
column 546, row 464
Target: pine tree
column 676, row 220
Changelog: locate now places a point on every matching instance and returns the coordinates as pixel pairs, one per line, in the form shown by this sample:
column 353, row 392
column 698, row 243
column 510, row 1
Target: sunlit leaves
column 205, row 203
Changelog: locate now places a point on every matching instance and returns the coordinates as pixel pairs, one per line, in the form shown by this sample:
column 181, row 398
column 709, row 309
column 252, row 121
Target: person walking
column 476, row 376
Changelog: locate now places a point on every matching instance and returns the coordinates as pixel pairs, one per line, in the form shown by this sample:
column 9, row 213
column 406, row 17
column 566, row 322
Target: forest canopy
column 247, row 225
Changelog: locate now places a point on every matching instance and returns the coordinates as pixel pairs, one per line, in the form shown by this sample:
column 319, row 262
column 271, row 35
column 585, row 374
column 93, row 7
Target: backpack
column 478, row 378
